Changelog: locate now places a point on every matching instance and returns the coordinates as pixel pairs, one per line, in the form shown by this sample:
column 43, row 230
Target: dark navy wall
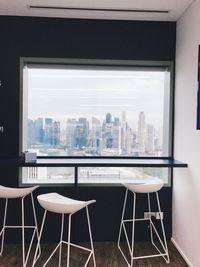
column 75, row 38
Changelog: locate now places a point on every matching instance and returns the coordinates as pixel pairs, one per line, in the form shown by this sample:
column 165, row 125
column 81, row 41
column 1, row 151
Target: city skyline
column 112, row 136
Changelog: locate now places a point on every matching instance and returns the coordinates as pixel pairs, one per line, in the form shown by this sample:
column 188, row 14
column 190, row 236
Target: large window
column 98, row 110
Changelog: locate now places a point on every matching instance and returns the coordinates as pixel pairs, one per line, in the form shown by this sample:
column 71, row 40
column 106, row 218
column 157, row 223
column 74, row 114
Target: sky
column 92, row 92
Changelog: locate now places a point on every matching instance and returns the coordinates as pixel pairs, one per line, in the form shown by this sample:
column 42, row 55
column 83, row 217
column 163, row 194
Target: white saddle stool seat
column 57, row 203
column 9, row 192
column 145, row 186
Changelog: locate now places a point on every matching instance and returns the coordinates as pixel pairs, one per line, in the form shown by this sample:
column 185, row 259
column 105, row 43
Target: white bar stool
column 57, row 203
column 144, row 186
column 13, row 193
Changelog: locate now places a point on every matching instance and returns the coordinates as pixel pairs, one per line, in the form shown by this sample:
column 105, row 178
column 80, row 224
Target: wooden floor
column 107, row 255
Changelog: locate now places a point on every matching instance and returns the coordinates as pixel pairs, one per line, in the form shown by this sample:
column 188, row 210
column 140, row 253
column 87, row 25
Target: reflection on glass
column 47, row 175
column 115, row 175
column 96, row 111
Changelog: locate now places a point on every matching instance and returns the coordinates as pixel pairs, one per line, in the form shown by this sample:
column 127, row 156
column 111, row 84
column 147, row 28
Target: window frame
column 169, row 65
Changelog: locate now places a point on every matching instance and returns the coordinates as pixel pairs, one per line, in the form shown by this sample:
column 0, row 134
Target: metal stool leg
column 23, row 241
column 133, row 229
column 39, row 238
column 122, row 226
column 59, row 244
column 163, row 230
column 122, row 218
column 3, row 228
column 35, row 219
column 61, row 237
column 91, row 241
column 150, row 225
column 68, row 241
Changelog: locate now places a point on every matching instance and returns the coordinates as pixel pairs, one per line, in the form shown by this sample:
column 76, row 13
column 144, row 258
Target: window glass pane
column 96, row 111
column 103, row 175
column 47, row 175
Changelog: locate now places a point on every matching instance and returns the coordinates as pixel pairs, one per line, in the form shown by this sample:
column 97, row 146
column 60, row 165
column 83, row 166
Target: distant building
column 39, row 131
column 149, row 147
column 55, row 133
column 31, row 133
column 116, row 121
column 141, row 132
column 71, row 133
column 108, row 118
column 48, row 131
column 116, row 139
column 96, row 132
column 123, row 131
column 82, row 131
column 129, row 140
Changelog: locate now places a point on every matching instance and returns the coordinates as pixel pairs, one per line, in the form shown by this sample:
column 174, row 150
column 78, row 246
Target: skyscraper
column 141, row 132
column 123, row 131
column 149, row 138
column 39, row 132
column 96, row 132
column 82, row 131
column 71, row 133
column 116, row 142
column 48, row 130
column 56, row 133
column 31, row 133
column 108, row 118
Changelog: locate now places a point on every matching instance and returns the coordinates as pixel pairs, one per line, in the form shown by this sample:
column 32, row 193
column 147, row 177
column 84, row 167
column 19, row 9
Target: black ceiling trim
column 100, row 9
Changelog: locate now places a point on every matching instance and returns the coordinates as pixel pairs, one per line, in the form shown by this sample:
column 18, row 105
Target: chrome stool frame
column 68, row 242
column 13, row 193
column 165, row 253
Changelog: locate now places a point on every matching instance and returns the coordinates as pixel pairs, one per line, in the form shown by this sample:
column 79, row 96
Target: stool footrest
column 139, row 219
column 150, row 256
column 71, row 244
column 19, row 226
column 75, row 245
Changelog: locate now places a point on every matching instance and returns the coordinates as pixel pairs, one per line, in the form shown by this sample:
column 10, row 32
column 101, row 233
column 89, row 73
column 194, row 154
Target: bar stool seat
column 143, row 186
column 57, row 203
column 9, row 193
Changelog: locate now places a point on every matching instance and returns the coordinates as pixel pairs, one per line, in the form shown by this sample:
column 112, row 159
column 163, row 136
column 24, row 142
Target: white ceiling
column 109, row 9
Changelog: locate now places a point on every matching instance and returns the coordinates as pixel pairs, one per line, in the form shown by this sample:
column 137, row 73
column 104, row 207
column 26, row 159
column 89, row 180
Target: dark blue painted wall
column 75, row 38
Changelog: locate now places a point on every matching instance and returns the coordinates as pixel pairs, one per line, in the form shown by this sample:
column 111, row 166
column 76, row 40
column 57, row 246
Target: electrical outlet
column 148, row 215
column 159, row 215
column 156, row 215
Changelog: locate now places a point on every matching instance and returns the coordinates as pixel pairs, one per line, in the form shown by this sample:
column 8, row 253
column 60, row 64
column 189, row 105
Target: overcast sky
column 74, row 93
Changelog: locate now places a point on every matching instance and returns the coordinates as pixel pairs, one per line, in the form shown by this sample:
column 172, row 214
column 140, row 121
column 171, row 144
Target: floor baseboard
column 182, row 253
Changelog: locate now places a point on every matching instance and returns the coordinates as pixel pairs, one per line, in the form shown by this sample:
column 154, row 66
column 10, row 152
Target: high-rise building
column 82, row 131
column 56, row 133
column 108, row 118
column 129, row 140
column 123, row 131
column 149, row 147
column 39, row 131
column 108, row 131
column 116, row 142
column 141, row 132
column 31, row 133
column 116, row 122
column 96, row 132
column 48, row 131
column 71, row 133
